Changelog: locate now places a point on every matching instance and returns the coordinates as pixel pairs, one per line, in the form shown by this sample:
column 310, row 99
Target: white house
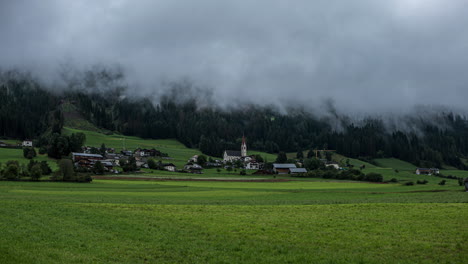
column 27, row 143
column 169, row 167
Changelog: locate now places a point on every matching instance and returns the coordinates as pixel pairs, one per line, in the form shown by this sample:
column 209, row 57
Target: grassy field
column 231, row 222
column 7, row 154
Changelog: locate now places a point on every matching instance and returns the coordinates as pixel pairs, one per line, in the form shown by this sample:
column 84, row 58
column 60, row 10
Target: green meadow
column 231, row 222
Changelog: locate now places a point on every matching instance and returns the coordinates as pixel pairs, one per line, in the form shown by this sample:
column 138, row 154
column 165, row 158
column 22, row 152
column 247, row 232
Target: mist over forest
column 368, row 78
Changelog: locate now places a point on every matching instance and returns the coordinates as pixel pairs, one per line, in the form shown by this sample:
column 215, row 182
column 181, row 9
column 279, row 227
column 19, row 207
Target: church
column 233, row 155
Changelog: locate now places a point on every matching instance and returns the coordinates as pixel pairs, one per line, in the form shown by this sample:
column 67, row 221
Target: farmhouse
column 169, row 166
column 283, row 168
column 253, row 165
column 427, row 171
column 27, row 143
column 84, row 156
column 193, row 168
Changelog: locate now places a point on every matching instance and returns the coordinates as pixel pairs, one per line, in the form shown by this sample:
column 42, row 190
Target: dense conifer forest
column 28, row 109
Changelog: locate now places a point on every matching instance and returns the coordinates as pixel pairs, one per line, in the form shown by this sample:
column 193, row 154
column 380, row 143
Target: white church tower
column 243, row 148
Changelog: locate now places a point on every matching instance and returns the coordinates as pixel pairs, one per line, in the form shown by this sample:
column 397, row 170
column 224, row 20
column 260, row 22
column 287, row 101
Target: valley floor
column 316, row 221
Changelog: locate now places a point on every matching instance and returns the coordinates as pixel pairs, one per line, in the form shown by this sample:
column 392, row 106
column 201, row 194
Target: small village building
column 85, row 156
column 297, row 170
column 169, row 167
column 214, row 164
column 280, row 168
column 193, row 168
column 254, row 165
column 333, row 165
column 27, row 143
column 427, row 171
column 193, row 159
column 126, row 153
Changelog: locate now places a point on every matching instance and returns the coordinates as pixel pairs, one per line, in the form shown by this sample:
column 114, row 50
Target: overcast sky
column 367, row 55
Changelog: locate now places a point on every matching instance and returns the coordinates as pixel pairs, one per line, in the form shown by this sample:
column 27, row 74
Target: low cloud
column 367, row 56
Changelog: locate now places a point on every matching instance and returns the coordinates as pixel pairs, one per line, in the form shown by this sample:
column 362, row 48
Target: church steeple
column 243, row 147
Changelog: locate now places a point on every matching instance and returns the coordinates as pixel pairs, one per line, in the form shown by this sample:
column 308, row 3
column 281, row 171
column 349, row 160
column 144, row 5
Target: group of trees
column 13, row 170
column 28, row 110
column 350, row 174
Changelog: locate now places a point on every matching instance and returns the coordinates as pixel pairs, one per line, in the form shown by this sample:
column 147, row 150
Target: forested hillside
column 29, row 109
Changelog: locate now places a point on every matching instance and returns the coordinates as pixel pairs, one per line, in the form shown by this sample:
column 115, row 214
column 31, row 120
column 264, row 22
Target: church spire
column 244, row 147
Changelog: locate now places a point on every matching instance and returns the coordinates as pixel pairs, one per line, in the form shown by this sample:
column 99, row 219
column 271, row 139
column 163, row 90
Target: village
column 109, row 161
column 146, row 159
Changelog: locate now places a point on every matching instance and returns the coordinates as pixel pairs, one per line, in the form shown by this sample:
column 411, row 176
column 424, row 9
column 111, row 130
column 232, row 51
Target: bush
column 152, row 164
column 42, row 150
column 410, row 183
column 442, row 182
column 374, row 177
column 11, row 171
column 29, row 152
column 422, row 182
column 36, row 172
column 98, row 168
column 242, row 172
column 393, row 180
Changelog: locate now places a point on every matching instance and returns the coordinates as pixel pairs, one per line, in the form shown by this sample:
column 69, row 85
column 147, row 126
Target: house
column 254, row 165
column 213, row 164
column 85, row 159
column 193, row 159
column 427, row 171
column 126, row 152
column 193, row 168
column 233, row 155
column 169, row 166
column 333, row 165
column 85, row 156
column 283, row 168
column 27, row 143
column 297, row 170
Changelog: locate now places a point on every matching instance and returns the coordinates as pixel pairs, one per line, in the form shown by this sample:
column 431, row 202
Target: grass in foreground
column 219, row 222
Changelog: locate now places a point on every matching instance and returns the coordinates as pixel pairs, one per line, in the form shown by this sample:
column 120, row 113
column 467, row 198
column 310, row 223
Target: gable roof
column 297, row 170
column 87, row 155
column 283, row 166
column 234, row 153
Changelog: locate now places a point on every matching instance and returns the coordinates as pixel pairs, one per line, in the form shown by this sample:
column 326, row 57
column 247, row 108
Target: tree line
column 29, row 110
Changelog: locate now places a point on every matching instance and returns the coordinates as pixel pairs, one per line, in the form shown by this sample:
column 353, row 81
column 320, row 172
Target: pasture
column 231, row 222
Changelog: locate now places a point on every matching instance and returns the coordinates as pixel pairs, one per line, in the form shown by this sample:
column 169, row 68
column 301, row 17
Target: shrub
column 421, row 182
column 374, row 177
column 442, row 182
column 242, row 172
column 152, row 164
column 410, row 183
column 393, row 180
column 29, row 152
column 36, row 172
column 42, row 150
